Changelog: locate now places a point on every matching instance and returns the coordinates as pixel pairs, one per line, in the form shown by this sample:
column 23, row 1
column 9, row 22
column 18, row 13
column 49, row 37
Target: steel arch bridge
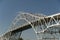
column 40, row 23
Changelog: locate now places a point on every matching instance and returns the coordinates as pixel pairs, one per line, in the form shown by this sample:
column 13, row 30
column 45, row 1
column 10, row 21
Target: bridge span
column 39, row 22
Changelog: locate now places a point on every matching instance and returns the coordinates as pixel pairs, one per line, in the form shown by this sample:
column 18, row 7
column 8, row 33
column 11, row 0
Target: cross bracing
column 40, row 24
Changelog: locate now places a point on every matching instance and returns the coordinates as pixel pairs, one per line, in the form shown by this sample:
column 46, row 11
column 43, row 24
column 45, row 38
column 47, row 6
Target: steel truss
column 41, row 24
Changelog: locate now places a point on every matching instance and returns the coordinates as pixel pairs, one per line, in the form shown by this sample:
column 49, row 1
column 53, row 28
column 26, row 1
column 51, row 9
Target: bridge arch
column 41, row 24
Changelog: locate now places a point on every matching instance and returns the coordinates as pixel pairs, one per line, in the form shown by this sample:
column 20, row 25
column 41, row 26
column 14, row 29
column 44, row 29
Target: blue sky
column 9, row 9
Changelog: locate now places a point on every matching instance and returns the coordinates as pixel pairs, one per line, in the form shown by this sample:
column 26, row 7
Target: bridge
column 40, row 23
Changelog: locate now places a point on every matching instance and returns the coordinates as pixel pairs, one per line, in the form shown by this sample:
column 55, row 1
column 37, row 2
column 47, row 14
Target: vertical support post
column 15, row 36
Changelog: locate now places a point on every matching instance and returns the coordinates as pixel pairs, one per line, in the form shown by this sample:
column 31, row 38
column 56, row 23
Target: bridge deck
column 25, row 27
column 28, row 26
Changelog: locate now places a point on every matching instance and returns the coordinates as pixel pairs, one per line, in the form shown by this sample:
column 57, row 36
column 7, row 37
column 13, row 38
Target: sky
column 9, row 9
